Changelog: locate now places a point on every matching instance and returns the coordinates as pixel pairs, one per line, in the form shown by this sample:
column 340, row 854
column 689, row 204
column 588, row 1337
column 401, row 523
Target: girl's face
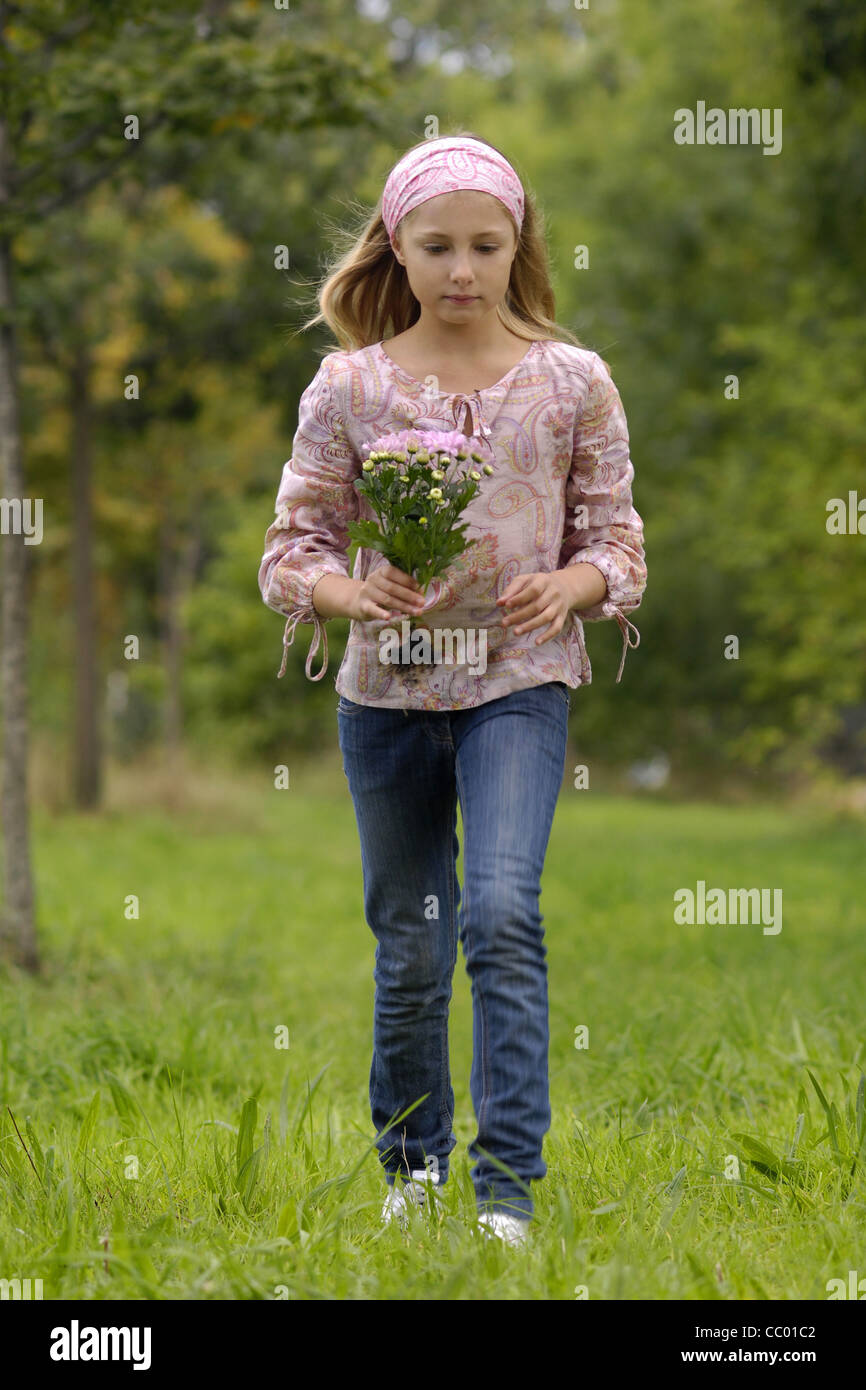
column 457, row 244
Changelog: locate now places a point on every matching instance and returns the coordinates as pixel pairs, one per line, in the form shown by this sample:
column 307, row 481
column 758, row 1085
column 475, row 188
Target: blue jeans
column 406, row 768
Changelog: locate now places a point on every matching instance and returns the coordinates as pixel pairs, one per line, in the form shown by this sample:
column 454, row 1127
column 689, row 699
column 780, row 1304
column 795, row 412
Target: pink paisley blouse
column 555, row 432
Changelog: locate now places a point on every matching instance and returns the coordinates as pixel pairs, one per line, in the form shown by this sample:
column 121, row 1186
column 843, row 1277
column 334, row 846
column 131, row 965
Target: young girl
column 452, row 267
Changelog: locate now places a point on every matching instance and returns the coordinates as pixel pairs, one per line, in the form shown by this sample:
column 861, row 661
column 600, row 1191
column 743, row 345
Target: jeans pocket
column 345, row 706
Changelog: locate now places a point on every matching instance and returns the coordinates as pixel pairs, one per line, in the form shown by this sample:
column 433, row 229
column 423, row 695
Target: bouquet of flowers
column 405, row 480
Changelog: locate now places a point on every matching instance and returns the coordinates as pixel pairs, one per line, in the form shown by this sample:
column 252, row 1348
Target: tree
column 86, row 90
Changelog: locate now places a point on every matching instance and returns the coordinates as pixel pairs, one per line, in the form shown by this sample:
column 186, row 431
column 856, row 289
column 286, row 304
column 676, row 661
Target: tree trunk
column 17, row 928
column 179, row 566
column 87, row 749
column 171, row 708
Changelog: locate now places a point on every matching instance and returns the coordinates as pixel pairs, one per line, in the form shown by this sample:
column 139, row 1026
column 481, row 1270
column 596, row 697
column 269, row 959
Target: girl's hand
column 544, row 600
column 385, row 590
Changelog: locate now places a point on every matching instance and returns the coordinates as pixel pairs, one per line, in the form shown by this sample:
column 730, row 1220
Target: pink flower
column 447, row 441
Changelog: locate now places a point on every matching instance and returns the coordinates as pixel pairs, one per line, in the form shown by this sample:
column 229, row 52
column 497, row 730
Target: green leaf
column 759, row 1154
column 245, row 1139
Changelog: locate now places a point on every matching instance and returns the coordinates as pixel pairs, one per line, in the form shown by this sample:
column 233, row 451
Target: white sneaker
column 413, row 1193
column 513, row 1230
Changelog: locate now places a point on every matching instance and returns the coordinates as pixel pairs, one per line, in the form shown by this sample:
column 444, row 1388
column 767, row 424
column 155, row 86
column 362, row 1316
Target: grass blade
column 829, row 1111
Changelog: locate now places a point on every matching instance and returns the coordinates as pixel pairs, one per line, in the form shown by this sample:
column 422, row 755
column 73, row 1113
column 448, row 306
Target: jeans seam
column 482, row 1042
column 452, row 957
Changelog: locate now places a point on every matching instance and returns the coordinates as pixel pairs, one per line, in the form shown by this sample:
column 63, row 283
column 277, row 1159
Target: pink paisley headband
column 445, row 165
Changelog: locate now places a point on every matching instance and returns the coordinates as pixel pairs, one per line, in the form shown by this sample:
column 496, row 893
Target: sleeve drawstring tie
column 624, row 625
column 319, row 633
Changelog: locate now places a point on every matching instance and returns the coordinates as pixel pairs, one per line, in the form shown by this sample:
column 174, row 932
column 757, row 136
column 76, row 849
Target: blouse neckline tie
column 480, row 429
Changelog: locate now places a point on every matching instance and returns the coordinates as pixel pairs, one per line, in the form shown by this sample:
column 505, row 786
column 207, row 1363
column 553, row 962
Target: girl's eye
column 442, row 248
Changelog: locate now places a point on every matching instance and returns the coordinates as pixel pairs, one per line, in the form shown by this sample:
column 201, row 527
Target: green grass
column 150, row 1042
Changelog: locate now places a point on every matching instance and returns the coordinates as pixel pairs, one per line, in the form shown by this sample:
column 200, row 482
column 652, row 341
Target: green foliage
column 706, row 264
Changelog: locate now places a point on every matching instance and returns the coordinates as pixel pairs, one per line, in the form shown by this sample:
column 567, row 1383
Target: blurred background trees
column 266, row 128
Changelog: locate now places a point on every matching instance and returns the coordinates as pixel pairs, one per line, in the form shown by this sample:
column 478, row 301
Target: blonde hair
column 365, row 297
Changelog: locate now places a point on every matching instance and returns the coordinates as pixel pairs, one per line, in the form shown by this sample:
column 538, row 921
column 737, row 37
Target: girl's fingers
column 402, row 602
column 411, row 605
column 512, row 593
column 393, row 592
column 522, row 616
column 401, row 578
column 545, row 618
column 547, row 621
column 527, row 608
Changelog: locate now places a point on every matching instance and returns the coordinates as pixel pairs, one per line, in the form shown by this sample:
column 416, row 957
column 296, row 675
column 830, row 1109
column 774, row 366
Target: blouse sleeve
column 315, row 502
column 605, row 531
